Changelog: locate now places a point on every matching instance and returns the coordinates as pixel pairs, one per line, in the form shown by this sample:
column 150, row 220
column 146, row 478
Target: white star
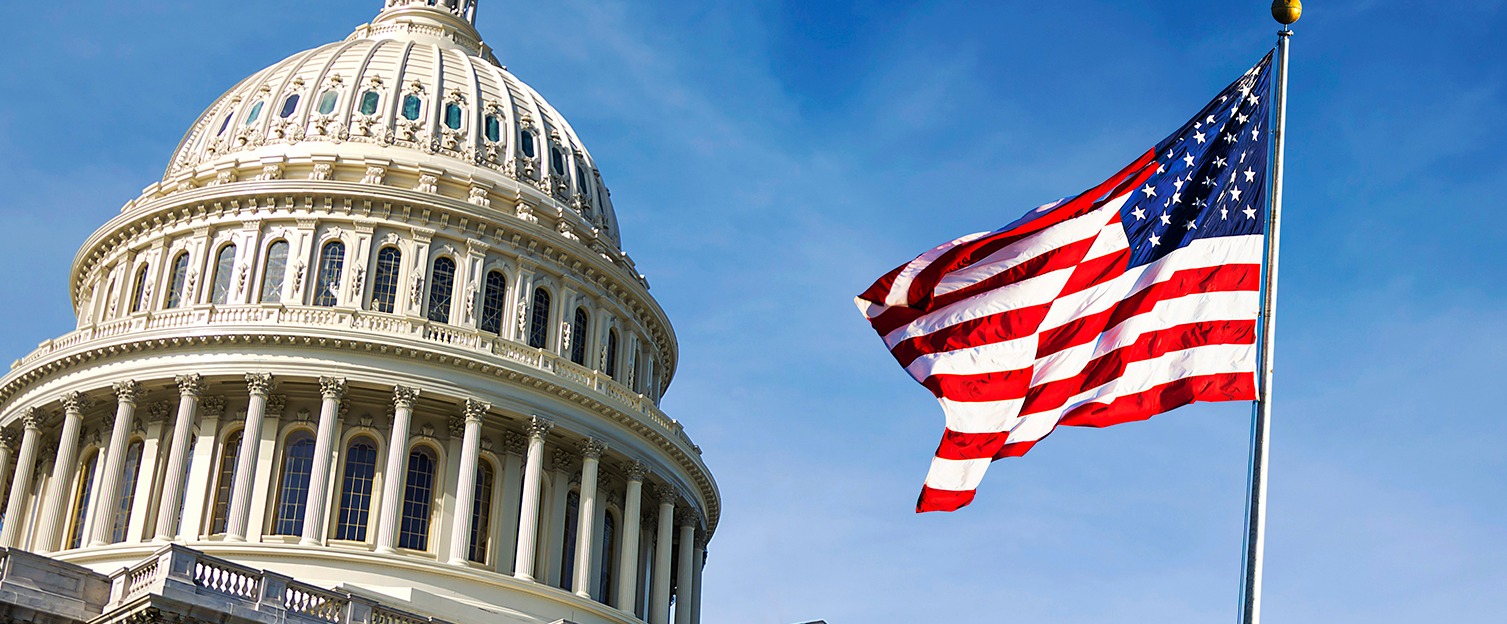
column 1211, row 119
column 1208, row 181
column 1149, row 191
column 1178, row 183
column 1255, row 134
column 1161, row 168
column 1166, row 220
column 1192, row 226
column 1235, row 193
column 1140, row 213
column 1254, row 100
column 1250, row 174
column 1155, row 240
column 1224, row 213
column 1198, row 124
column 1220, row 162
column 1188, row 159
column 1170, row 154
column 1200, row 138
column 1250, row 213
column 1229, row 138
column 1222, row 98
column 1233, row 176
column 1242, row 156
column 1243, row 118
column 1177, row 198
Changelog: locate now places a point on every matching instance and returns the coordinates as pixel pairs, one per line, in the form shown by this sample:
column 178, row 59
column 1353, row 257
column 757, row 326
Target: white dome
column 416, row 88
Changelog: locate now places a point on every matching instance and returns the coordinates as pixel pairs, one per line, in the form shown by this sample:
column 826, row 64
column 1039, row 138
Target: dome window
column 494, row 128
column 557, row 161
column 255, row 114
column 225, row 124
column 327, row 102
column 581, row 177
column 526, row 143
column 289, row 105
column 369, row 101
column 452, row 116
column 412, row 106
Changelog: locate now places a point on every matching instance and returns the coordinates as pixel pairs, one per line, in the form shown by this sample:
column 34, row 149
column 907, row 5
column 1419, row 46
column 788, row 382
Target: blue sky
column 768, row 160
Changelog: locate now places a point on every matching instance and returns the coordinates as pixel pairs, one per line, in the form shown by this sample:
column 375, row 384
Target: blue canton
column 1211, row 176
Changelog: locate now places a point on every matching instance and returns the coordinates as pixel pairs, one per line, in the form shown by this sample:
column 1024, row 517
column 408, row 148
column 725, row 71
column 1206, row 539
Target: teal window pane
column 369, row 102
column 452, row 116
column 494, row 129
column 327, row 102
column 255, row 114
column 289, row 105
column 412, row 106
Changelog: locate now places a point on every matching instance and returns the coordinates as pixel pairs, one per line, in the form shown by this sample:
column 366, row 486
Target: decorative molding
column 214, row 407
column 514, row 443
column 562, row 461
column 635, row 470
column 158, row 411
column 277, row 404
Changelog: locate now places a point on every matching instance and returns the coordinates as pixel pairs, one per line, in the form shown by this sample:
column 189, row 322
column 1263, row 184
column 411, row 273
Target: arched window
column 331, row 263
column 578, row 329
column 412, row 107
column 139, row 290
column 293, row 488
column 225, row 482
column 255, row 114
column 224, row 274
column 609, row 558
column 580, row 177
column 385, row 280
column 327, row 102
column 369, row 101
column 441, row 286
column 481, row 514
column 356, row 490
column 556, row 160
column 176, row 279
column 568, row 547
column 526, row 143
column 126, row 495
column 538, row 327
column 492, row 301
column 418, row 499
column 493, row 128
column 274, row 270
column 452, row 116
column 610, row 366
column 82, row 489
column 289, row 106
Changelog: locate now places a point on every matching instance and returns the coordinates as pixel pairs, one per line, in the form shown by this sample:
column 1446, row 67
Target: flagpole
column 1286, row 12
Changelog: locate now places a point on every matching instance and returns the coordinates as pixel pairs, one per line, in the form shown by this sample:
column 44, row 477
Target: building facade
column 370, row 351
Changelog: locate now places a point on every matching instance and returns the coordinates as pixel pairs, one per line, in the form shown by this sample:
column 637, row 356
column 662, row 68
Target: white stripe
column 1200, row 254
column 1060, row 235
column 1143, row 376
column 1000, row 356
column 1197, row 307
column 1033, row 291
column 898, row 291
column 982, row 416
column 956, row 474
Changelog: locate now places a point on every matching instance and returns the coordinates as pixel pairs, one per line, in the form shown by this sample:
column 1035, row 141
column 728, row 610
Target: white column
column 331, row 389
column 397, row 468
column 686, row 585
column 627, row 569
column 8, row 444
column 465, row 489
column 561, row 464
column 197, row 492
column 20, row 486
column 515, row 446
column 659, row 609
column 528, row 515
column 126, row 394
column 698, row 561
column 591, row 456
column 190, row 387
column 60, row 490
column 257, row 384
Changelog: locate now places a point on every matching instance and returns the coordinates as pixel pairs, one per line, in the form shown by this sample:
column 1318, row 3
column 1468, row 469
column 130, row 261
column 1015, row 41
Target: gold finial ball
column 1287, row 11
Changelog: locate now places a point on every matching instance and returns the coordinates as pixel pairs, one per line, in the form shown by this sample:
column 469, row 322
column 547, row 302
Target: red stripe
column 996, row 386
column 921, row 289
column 1131, row 407
column 881, row 288
column 1085, row 329
column 932, row 499
column 1148, row 346
column 895, row 318
column 1059, row 258
column 1093, row 272
column 985, row 330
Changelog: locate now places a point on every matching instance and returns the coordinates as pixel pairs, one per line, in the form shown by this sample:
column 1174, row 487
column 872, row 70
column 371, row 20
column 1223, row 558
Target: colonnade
column 522, row 499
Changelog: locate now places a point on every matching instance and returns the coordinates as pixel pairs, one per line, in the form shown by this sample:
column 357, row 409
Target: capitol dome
column 370, row 351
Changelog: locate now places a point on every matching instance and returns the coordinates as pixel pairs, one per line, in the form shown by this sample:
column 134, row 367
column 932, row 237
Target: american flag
column 1133, row 298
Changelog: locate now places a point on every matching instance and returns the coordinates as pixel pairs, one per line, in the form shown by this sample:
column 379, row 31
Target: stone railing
column 208, row 584
column 379, row 325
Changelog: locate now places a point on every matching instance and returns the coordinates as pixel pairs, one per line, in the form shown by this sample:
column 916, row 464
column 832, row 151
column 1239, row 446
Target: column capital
column 404, row 396
column 701, row 540
column 666, row 495
column 8, row 438
column 332, row 388
column 191, row 385
column 592, row 448
column 214, row 407
column 75, row 402
column 259, row 383
column 562, row 461
column 475, row 409
column 513, row 443
column 158, row 411
column 128, row 391
column 687, row 517
column 635, row 470
column 539, row 427
column 277, row 404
